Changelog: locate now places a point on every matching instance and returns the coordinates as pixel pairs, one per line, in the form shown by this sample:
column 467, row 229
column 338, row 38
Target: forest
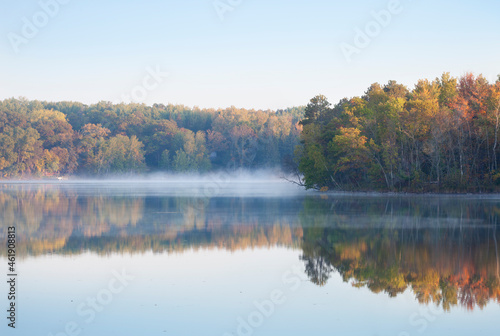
column 44, row 139
column 441, row 136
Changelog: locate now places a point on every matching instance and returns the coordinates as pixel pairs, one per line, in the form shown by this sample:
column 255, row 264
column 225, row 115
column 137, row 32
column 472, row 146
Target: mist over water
column 238, row 183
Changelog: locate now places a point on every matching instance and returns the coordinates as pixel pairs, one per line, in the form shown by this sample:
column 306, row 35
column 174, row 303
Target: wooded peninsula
column 442, row 136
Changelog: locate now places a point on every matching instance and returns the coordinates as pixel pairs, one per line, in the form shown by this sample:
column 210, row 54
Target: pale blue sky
column 263, row 54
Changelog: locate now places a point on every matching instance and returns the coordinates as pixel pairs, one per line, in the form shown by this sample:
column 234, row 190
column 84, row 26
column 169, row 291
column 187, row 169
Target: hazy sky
column 249, row 53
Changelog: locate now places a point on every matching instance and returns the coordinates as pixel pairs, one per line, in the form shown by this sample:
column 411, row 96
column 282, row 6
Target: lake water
column 261, row 257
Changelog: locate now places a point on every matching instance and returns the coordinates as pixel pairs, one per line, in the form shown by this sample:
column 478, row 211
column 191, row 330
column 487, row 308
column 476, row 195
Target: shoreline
column 208, row 178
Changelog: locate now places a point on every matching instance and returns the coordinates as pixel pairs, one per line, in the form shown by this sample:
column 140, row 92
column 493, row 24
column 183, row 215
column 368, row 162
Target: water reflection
column 445, row 249
column 66, row 220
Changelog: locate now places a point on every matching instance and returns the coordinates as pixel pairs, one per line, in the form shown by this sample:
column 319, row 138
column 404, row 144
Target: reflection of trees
column 465, row 274
column 453, row 261
column 317, row 268
column 58, row 219
column 97, row 215
column 446, row 252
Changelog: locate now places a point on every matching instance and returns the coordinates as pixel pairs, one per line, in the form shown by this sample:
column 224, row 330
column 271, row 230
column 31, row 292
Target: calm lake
column 256, row 257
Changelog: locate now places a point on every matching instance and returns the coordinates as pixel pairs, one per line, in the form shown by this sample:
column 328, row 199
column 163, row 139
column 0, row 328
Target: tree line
column 443, row 135
column 39, row 138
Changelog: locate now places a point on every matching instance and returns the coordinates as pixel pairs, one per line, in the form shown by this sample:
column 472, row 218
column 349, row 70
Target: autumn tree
column 442, row 135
